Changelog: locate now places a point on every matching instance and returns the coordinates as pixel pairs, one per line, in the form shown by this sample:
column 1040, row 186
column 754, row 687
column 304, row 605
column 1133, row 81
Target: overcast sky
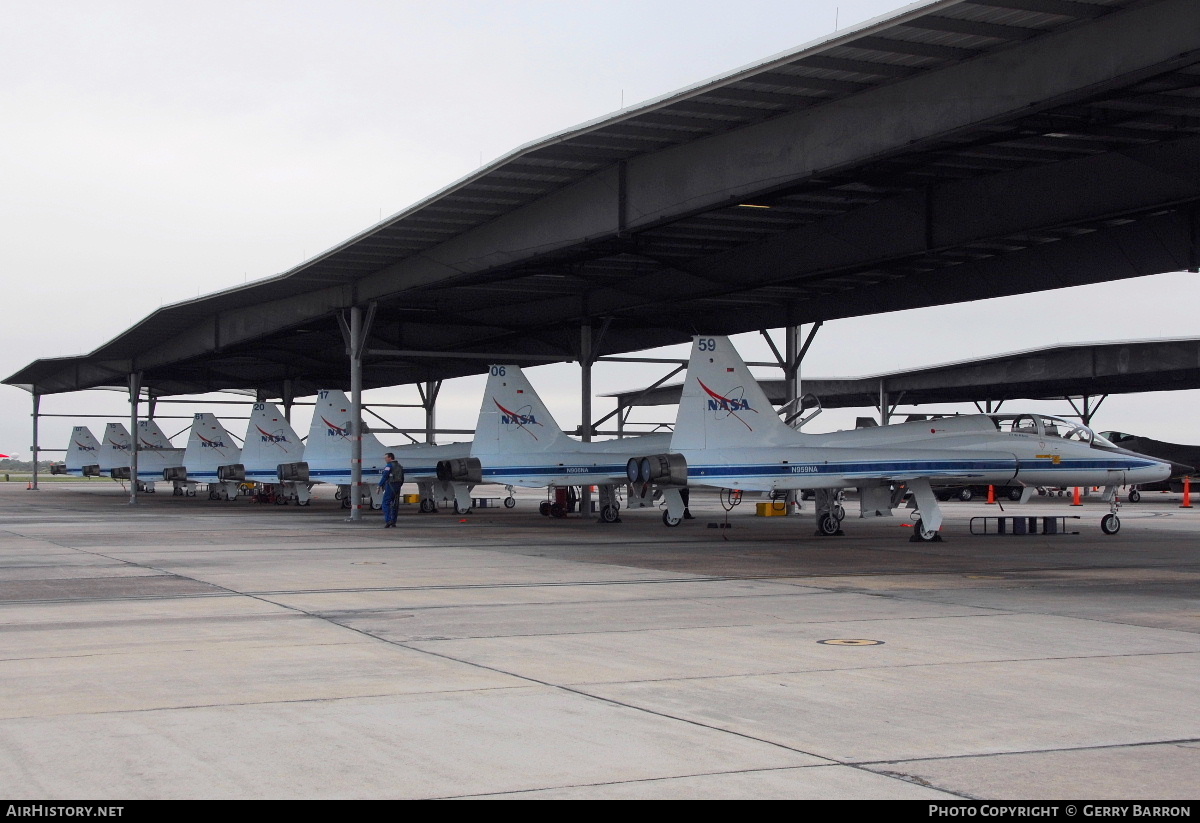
column 151, row 152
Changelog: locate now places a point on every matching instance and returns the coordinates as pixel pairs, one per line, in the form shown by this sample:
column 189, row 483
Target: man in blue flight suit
column 390, row 482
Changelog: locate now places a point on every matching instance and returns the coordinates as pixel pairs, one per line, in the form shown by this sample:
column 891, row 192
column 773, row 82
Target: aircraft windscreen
column 1046, row 425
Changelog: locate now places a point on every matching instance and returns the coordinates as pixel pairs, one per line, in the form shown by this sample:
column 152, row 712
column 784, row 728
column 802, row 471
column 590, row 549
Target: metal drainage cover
column 845, row 641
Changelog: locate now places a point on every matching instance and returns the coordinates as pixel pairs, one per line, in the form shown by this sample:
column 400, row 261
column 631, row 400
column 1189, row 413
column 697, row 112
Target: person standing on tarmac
column 390, row 482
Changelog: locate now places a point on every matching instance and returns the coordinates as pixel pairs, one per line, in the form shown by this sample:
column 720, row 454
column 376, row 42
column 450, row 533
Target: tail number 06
column 497, row 371
column 707, row 344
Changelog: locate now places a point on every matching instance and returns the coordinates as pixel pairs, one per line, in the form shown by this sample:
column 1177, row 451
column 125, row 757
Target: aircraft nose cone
column 1182, row 470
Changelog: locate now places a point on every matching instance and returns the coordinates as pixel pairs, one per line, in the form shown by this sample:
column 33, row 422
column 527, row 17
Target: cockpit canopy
column 1047, row 425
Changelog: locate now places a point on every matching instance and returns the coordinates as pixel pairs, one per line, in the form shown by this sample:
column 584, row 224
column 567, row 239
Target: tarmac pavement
column 187, row 648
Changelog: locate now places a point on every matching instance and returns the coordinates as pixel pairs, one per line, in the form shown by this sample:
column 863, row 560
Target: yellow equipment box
column 771, row 509
column 412, row 498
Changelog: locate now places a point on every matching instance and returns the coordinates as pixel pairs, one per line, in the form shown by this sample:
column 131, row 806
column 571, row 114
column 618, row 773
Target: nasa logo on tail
column 335, row 430
column 267, row 437
column 205, row 443
column 522, row 419
column 82, row 447
column 728, row 404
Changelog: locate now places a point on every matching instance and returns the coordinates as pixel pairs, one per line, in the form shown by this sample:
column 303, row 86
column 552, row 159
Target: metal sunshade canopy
column 1057, row 372
column 951, row 151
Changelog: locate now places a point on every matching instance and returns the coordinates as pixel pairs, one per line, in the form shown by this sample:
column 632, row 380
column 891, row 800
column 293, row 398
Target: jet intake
column 175, row 473
column 460, row 470
column 120, row 473
column 292, row 472
column 661, row 469
column 233, row 473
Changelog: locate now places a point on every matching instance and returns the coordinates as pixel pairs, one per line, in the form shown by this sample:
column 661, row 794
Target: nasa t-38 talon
column 157, row 458
column 327, row 457
column 114, row 452
column 519, row 443
column 271, row 446
column 727, row 435
column 210, row 447
column 83, row 455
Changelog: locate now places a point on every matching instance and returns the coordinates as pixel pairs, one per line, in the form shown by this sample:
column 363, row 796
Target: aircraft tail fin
column 513, row 419
column 723, row 405
column 114, row 451
column 151, row 437
column 270, row 439
column 83, row 450
column 209, row 445
column 329, row 443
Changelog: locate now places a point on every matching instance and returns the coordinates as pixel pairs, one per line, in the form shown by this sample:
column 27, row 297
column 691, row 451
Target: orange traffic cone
column 1078, row 494
column 1187, row 493
column 991, row 495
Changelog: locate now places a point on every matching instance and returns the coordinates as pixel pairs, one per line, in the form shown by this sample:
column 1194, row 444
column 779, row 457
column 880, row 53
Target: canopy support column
column 355, row 334
column 135, row 391
column 429, row 394
column 289, row 397
column 35, row 448
column 586, row 359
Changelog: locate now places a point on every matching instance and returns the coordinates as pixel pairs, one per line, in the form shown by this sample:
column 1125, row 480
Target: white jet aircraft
column 270, row 445
column 327, row 457
column 83, row 455
column 209, row 447
column 728, row 435
column 114, row 452
column 157, row 458
column 518, row 443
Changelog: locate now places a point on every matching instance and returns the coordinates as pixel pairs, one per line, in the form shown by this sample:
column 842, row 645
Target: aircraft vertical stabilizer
column 209, row 446
column 513, row 419
column 328, row 446
column 150, row 436
column 270, row 440
column 722, row 404
column 83, row 452
column 114, row 451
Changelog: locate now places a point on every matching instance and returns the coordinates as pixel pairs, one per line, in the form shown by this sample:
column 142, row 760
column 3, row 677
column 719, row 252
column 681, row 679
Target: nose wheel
column 1110, row 523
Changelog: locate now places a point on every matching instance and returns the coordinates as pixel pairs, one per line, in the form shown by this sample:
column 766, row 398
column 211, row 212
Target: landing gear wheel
column 544, row 508
column 1014, row 494
column 345, row 502
column 608, row 514
column 427, row 506
column 668, row 520
column 376, row 506
column 212, row 494
column 1134, row 495
column 510, row 502
column 191, row 492
column 827, row 525
column 178, row 492
column 303, row 502
column 840, row 513
column 337, row 495
column 965, row 495
column 1110, row 524
column 923, row 534
column 461, row 510
column 558, row 510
